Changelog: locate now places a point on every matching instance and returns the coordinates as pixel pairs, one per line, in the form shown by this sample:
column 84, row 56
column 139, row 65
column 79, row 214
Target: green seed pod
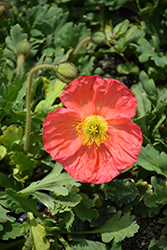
column 98, row 37
column 66, row 71
column 23, row 48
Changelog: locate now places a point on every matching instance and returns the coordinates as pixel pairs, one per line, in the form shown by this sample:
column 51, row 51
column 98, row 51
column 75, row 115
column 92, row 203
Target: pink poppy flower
column 93, row 137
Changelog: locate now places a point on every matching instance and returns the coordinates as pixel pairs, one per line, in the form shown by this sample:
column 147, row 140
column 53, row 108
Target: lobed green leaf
column 37, row 238
column 10, row 230
column 84, row 209
column 54, row 181
column 118, row 228
column 21, row 203
column 11, row 135
column 151, row 160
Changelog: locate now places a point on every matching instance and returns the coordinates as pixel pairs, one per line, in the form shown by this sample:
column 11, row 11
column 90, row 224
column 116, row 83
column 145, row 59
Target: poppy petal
column 91, row 165
column 101, row 165
column 113, row 98
column 59, row 134
column 99, row 96
column 125, row 140
column 78, row 95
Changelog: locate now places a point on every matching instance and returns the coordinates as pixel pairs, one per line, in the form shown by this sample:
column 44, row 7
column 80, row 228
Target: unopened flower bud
column 66, row 71
column 23, row 48
column 98, row 37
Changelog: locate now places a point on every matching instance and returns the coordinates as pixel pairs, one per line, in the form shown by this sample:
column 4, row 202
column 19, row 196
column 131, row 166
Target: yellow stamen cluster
column 92, row 129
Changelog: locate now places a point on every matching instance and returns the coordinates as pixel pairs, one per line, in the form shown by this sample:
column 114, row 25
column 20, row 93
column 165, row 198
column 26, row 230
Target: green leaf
column 115, row 4
column 133, row 33
column 145, row 49
column 46, row 199
column 70, row 200
column 52, row 92
column 160, row 61
column 117, row 228
column 143, row 122
column 16, row 36
column 44, row 108
column 21, row 203
column 67, row 218
column 162, row 97
column 144, row 189
column 2, row 59
column 11, row 135
column 143, row 103
column 147, row 52
column 84, row 209
column 36, row 240
column 15, row 92
column 160, row 193
column 121, row 191
column 160, row 245
column 36, row 33
column 82, row 244
column 87, row 65
column 73, row 34
column 55, row 181
column 23, row 166
column 151, row 160
column 145, row 211
column 7, row 181
column 4, row 216
column 148, row 84
column 120, row 44
column 141, row 209
column 121, row 28
column 3, row 90
column 116, row 246
column 128, row 68
column 3, row 152
column 10, row 230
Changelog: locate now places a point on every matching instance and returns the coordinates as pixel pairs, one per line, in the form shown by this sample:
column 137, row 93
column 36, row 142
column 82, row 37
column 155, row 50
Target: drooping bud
column 98, row 37
column 66, row 71
column 23, row 48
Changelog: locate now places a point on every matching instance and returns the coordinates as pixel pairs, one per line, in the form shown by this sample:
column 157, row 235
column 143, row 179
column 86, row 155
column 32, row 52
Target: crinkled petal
column 113, row 98
column 59, row 135
column 94, row 95
column 92, row 165
column 125, row 141
column 100, row 165
column 78, row 95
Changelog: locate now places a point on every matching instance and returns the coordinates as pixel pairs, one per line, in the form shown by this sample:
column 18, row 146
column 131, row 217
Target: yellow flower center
column 92, row 129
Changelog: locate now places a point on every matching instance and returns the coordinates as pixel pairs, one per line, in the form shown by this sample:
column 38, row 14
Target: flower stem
column 30, row 78
column 79, row 46
column 117, row 51
column 20, row 64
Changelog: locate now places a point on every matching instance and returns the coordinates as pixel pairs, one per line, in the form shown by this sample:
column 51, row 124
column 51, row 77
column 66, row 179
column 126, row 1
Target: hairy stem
column 79, row 46
column 30, row 78
column 20, row 64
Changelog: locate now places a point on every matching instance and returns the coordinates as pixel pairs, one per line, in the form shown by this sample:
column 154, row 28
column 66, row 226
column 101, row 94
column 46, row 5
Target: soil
column 107, row 68
column 149, row 229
